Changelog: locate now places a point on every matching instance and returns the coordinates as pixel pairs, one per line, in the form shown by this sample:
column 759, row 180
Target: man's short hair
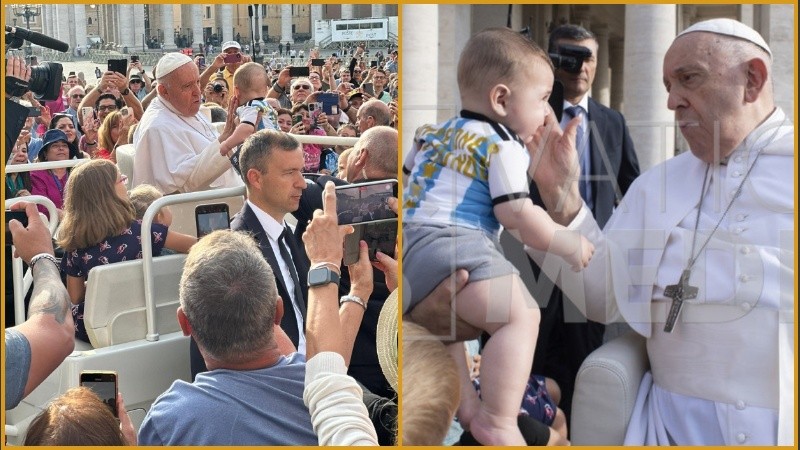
column 568, row 32
column 381, row 141
column 229, row 296
column 496, row 55
column 74, row 89
column 378, row 110
column 257, row 149
column 109, row 95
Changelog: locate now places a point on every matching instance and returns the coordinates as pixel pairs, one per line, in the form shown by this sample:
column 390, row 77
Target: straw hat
column 386, row 340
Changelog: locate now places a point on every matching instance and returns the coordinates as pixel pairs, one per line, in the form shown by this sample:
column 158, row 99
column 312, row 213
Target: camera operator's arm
column 211, row 69
column 49, row 329
column 17, row 76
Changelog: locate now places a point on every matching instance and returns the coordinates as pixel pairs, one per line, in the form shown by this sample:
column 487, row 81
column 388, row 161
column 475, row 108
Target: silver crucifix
column 678, row 293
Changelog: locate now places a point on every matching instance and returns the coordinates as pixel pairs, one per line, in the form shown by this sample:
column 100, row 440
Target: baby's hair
column 142, row 196
column 251, row 78
column 496, row 55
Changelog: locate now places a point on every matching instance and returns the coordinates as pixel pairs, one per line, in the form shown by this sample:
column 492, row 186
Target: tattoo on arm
column 49, row 296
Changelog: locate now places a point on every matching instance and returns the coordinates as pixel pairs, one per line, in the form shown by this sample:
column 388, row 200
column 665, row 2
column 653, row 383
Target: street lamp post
column 28, row 12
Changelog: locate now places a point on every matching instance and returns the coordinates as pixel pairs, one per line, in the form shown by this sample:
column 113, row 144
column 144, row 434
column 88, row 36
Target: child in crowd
column 250, row 86
column 466, row 177
column 142, row 196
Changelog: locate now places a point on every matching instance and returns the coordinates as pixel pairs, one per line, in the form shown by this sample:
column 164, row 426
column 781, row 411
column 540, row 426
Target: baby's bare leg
column 504, row 308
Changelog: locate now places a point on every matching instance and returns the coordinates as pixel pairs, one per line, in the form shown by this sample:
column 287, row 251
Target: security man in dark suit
column 608, row 167
column 271, row 163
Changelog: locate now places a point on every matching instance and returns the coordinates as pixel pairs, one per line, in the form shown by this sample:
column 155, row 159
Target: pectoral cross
column 678, row 293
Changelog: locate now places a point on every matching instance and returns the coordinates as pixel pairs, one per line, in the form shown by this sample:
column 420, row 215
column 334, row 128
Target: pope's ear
column 757, row 74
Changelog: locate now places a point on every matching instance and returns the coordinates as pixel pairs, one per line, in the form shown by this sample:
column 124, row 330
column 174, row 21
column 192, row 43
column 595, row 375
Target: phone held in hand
column 232, row 58
column 87, row 114
column 299, row 71
column 104, row 384
column 316, row 62
column 118, row 65
column 365, row 202
column 329, row 101
column 211, row 217
column 22, row 216
column 379, row 236
column 368, row 89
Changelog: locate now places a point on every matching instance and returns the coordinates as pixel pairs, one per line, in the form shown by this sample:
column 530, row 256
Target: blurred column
column 197, row 25
column 286, row 24
column 168, row 26
column 347, row 11
column 601, row 88
column 227, row 22
column 649, row 31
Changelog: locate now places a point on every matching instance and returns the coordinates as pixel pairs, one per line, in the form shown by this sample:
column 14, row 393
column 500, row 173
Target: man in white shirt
column 177, row 148
column 698, row 256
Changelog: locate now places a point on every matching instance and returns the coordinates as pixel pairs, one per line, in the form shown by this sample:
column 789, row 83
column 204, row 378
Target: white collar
column 272, row 227
column 584, row 103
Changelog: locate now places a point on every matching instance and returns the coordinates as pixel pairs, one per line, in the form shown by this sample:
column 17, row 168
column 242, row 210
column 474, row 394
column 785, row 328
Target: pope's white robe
column 176, row 153
column 725, row 375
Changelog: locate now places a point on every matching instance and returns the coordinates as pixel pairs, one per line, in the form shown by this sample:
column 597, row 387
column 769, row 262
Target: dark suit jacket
column 246, row 220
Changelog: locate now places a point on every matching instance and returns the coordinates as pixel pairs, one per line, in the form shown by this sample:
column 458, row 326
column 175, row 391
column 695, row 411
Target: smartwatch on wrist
column 322, row 276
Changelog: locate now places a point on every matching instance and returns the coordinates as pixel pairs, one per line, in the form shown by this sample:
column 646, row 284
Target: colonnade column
column 649, row 31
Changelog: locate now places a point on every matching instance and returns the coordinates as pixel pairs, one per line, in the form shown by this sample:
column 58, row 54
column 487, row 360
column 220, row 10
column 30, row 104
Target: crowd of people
column 231, row 124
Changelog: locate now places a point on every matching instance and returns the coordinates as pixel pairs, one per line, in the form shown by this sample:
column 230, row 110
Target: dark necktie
column 288, row 304
column 584, row 185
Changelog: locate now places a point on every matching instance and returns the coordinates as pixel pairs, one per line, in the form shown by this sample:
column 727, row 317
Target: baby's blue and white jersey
column 459, row 170
column 248, row 113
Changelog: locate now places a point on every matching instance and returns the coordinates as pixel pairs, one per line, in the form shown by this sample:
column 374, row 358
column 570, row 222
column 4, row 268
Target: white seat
column 125, row 155
column 605, row 391
column 114, row 312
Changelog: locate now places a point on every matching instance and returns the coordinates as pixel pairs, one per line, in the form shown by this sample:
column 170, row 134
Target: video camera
column 570, row 57
column 45, row 79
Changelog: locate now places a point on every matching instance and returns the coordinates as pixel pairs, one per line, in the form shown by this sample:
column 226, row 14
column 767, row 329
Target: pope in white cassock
column 177, row 148
column 698, row 257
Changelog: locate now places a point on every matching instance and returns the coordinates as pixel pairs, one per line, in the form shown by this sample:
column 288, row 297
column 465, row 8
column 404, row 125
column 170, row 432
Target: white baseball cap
column 231, row 44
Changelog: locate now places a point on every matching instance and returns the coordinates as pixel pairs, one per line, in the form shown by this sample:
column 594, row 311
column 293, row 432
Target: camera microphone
column 38, row 38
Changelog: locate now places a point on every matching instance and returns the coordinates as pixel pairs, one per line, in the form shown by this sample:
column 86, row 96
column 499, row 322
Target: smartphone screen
column 366, row 202
column 299, row 71
column 19, row 215
column 373, row 63
column 368, row 89
column 317, row 62
column 211, row 217
column 134, row 58
column 379, row 236
column 104, row 384
column 118, row 65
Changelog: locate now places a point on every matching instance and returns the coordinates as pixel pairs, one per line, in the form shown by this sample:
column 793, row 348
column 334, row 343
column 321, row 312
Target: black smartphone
column 19, row 215
column 297, row 118
column 330, row 102
column 34, row 112
column 118, row 65
column 317, row 62
column 373, row 63
column 134, row 58
column 211, row 217
column 104, row 384
column 365, row 202
column 368, row 89
column 299, row 71
column 379, row 236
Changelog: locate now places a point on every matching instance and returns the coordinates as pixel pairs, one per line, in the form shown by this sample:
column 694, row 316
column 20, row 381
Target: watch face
column 319, row 276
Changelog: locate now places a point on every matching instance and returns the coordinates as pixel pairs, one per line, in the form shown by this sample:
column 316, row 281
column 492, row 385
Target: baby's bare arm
column 533, row 226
